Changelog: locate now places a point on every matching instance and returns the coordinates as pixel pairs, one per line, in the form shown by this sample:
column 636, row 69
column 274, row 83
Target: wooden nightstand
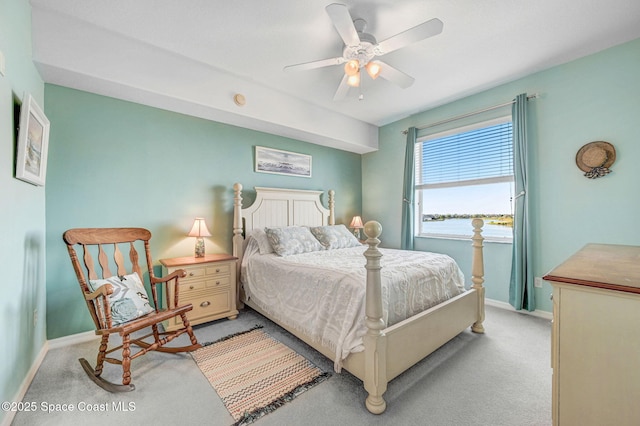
column 210, row 286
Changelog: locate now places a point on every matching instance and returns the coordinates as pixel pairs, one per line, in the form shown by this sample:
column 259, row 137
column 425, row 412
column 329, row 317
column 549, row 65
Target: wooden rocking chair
column 113, row 298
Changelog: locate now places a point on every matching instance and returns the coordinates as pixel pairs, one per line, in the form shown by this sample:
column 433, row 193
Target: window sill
column 464, row 238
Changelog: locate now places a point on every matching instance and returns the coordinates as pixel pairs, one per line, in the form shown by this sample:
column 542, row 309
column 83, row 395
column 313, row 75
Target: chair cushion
column 129, row 299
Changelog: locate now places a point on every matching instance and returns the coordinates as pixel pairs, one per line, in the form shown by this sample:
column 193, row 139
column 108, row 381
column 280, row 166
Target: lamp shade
column 356, row 223
column 199, row 228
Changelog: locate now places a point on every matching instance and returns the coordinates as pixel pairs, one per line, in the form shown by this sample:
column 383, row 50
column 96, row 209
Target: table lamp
column 356, row 225
column 199, row 230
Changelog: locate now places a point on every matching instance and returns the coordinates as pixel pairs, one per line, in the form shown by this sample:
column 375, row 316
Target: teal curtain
column 521, row 294
column 408, row 193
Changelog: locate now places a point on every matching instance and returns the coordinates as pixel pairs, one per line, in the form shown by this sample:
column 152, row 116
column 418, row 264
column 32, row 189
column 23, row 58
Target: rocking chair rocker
column 118, row 303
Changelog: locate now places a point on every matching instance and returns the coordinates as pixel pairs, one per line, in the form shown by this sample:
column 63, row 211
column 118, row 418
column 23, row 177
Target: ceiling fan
column 361, row 48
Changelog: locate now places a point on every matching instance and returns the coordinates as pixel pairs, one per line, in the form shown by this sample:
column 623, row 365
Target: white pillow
column 335, row 237
column 292, row 240
column 263, row 241
column 129, row 299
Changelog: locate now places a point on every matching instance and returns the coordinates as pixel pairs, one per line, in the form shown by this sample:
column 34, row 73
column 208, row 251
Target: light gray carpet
column 500, row 378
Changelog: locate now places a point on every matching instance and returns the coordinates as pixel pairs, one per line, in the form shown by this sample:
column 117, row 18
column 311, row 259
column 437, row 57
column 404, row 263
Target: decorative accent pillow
column 263, row 241
column 129, row 299
column 292, row 240
column 335, row 236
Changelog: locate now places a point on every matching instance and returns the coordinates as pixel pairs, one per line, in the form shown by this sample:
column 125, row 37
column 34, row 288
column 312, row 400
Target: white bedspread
column 322, row 293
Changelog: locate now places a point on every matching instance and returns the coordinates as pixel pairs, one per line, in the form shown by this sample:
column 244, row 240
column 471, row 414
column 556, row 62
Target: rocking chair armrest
column 175, row 275
column 104, row 290
column 101, row 315
column 178, row 273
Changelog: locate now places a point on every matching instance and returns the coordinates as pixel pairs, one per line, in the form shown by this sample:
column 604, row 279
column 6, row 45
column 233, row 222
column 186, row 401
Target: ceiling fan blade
column 395, row 76
column 315, row 64
column 412, row 35
column 341, row 19
column 343, row 88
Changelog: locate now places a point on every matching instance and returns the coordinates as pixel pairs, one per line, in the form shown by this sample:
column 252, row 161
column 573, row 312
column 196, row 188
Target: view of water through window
column 449, row 211
column 462, row 227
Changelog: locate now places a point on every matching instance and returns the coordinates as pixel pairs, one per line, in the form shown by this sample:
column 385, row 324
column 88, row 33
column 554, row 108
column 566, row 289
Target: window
column 462, row 174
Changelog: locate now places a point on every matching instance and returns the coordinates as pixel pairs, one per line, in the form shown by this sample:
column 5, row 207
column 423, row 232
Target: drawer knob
column 217, row 282
column 190, row 274
column 205, row 304
column 191, row 287
column 217, row 269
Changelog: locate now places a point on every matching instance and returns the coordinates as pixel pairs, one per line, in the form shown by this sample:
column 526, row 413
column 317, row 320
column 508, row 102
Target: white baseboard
column 504, row 305
column 72, row 339
column 24, row 386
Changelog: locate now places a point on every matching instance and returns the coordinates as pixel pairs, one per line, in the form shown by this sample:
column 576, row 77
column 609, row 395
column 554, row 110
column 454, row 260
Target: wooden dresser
column 595, row 343
column 210, row 286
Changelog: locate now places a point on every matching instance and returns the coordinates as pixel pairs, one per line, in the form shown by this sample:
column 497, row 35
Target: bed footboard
column 390, row 351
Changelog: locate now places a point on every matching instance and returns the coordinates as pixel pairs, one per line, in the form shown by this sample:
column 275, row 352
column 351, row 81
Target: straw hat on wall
column 595, row 158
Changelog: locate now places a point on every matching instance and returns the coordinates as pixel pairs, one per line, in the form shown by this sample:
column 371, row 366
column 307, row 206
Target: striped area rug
column 254, row 374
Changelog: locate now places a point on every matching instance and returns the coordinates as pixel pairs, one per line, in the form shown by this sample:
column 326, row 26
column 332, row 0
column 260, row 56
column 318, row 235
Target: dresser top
column 192, row 260
column 611, row 266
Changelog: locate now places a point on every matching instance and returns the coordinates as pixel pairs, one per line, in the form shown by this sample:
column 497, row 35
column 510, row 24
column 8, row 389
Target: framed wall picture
column 33, row 143
column 270, row 160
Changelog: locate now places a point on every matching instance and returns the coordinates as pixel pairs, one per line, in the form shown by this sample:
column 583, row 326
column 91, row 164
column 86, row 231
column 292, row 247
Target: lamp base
column 199, row 247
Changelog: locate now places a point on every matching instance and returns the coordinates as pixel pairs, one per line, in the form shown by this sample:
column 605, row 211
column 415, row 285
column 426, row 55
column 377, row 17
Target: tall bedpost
column 375, row 343
column 332, row 202
column 477, row 272
column 238, row 239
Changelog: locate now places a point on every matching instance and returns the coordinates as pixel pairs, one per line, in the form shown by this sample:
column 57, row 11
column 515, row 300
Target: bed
column 379, row 340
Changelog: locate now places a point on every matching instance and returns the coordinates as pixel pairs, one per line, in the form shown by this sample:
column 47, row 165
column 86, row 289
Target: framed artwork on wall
column 279, row 162
column 33, row 143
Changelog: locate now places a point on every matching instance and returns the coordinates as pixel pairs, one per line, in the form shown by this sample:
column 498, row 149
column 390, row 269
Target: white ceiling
column 192, row 57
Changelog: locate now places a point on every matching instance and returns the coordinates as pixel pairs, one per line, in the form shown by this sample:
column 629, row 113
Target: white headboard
column 286, row 207
column 278, row 207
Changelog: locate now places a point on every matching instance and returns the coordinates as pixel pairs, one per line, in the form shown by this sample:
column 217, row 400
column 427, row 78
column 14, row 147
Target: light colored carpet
column 500, row 378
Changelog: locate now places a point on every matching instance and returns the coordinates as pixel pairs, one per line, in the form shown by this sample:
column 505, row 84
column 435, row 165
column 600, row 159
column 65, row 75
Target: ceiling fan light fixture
column 352, row 67
column 360, row 48
column 373, row 69
column 354, row 80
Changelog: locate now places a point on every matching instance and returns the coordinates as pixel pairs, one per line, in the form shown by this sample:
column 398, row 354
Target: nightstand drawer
column 222, row 269
column 190, row 287
column 206, row 307
column 209, row 305
column 207, row 271
column 194, row 273
column 219, row 282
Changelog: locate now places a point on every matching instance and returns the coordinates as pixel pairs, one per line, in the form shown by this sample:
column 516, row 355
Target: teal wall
column 22, row 213
column 593, row 98
column 116, row 163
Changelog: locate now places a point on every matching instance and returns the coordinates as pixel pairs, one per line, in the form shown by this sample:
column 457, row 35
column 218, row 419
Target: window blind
column 478, row 156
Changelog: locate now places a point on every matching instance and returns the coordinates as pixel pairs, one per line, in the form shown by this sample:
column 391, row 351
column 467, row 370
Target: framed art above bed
column 347, row 300
column 276, row 161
